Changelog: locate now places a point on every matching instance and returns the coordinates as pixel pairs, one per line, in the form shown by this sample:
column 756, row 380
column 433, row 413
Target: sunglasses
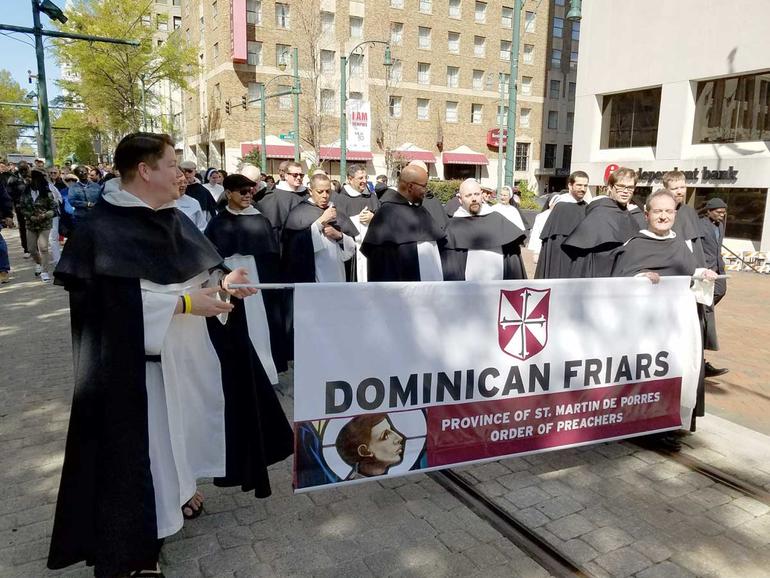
column 188, row 170
column 296, row 174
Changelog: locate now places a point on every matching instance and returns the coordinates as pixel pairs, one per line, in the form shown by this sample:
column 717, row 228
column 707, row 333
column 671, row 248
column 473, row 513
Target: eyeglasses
column 619, row 189
column 296, row 174
column 421, row 185
column 244, row 192
column 188, row 170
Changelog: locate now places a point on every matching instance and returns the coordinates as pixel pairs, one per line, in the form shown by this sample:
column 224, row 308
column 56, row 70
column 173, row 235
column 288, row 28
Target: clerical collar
column 122, row 198
column 354, row 193
column 283, row 186
column 247, row 211
column 651, row 235
column 461, row 212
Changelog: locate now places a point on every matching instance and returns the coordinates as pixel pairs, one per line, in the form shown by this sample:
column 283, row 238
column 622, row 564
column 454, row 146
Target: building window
column 526, row 85
column 481, row 12
column 327, row 23
column 630, row 119
column 745, row 208
column 570, row 121
column 451, row 111
column 558, row 27
column 553, row 119
column 215, row 52
column 426, row 6
column 356, row 66
column 253, row 94
column 177, row 22
column 477, row 114
column 281, row 15
column 284, row 101
column 394, row 74
column 454, row 8
column 396, row 33
column 576, row 31
column 356, row 27
column 254, row 53
column 555, row 90
column 423, row 73
column 735, row 109
column 522, row 156
column 453, row 42
column 573, row 56
column 529, row 53
column 549, row 156
column 452, row 77
column 566, row 157
column 146, row 20
column 214, row 10
column 423, row 109
column 327, row 61
column 478, row 80
column 571, row 91
column 506, row 81
column 254, row 12
column 394, row 107
column 328, row 101
column 217, row 95
column 282, row 55
column 502, row 115
column 356, row 96
column 479, row 46
column 555, row 58
column 423, row 37
column 162, row 22
column 396, row 3
column 505, row 50
column 506, row 20
column 529, row 22
column 524, row 116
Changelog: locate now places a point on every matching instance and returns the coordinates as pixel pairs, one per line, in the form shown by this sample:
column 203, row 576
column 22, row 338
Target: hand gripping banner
column 396, row 378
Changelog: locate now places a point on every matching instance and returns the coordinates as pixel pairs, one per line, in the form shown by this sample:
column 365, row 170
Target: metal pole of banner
column 263, row 286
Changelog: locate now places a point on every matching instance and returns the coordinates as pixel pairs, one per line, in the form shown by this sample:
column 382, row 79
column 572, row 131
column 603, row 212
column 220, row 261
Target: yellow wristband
column 187, row 303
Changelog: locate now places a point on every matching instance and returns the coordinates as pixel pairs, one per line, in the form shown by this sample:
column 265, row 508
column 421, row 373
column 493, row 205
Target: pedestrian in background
column 39, row 208
column 6, row 219
column 15, row 186
column 84, row 193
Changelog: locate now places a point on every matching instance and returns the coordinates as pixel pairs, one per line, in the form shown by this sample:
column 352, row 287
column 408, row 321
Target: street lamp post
column 500, row 110
column 344, row 98
column 573, row 15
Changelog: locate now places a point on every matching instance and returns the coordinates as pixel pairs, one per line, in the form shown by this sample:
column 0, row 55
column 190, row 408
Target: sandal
column 195, row 513
column 146, row 574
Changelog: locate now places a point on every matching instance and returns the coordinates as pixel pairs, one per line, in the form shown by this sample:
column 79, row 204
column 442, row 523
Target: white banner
column 460, row 372
column 359, row 116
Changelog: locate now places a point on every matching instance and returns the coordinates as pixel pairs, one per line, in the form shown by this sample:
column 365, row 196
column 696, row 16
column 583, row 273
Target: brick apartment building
column 440, row 94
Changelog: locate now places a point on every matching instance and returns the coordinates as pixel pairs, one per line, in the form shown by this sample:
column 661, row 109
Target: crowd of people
column 177, row 355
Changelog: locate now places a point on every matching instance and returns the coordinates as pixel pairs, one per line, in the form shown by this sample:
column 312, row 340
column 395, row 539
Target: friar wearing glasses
column 245, row 238
column 277, row 203
column 609, row 222
column 403, row 241
column 359, row 204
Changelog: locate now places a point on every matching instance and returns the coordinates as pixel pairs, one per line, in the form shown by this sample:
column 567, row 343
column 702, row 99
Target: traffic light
column 227, row 106
column 243, row 102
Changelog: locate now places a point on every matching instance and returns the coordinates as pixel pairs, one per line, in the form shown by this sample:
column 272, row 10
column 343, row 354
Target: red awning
column 464, row 159
column 424, row 156
column 333, row 154
column 273, row 151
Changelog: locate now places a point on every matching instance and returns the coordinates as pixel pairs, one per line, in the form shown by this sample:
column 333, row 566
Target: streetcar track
column 517, row 533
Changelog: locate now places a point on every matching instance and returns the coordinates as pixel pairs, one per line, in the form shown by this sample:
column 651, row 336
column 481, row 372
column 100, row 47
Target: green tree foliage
column 444, row 190
column 11, row 91
column 109, row 76
column 77, row 140
column 527, row 196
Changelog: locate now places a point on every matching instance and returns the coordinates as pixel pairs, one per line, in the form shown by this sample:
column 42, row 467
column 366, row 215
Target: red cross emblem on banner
column 522, row 326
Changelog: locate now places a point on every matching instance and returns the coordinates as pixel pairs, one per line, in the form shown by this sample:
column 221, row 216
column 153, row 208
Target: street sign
column 287, row 136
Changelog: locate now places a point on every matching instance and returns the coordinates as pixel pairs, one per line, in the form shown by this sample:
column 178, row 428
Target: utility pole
column 55, row 13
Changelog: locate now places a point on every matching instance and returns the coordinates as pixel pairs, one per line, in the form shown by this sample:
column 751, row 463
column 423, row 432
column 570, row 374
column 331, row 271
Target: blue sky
column 17, row 57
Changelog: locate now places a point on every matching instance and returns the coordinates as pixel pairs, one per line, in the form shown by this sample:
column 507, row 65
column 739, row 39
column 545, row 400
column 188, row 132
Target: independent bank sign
column 441, row 374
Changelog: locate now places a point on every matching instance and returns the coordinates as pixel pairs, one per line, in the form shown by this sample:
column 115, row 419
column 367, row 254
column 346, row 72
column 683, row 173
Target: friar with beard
column 686, row 225
column 608, row 224
column 358, row 204
column 402, row 243
column 482, row 244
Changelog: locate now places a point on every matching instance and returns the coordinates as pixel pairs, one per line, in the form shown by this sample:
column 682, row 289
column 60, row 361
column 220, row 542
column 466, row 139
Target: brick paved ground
column 614, row 509
column 405, row 527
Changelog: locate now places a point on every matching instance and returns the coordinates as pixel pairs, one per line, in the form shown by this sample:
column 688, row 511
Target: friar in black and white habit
column 245, row 238
column 403, row 241
column 482, row 244
column 658, row 251
column 149, row 410
column 358, row 204
column 557, row 223
column 607, row 225
column 277, row 203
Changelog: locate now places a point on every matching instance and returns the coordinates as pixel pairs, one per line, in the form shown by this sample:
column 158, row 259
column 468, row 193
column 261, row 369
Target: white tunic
column 483, row 264
column 362, row 271
column 511, row 213
column 329, row 257
column 185, row 401
column 192, row 208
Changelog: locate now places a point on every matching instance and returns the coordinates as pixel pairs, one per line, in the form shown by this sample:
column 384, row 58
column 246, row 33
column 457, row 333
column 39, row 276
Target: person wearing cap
column 197, row 191
column 244, row 237
column 188, row 205
column 712, row 226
